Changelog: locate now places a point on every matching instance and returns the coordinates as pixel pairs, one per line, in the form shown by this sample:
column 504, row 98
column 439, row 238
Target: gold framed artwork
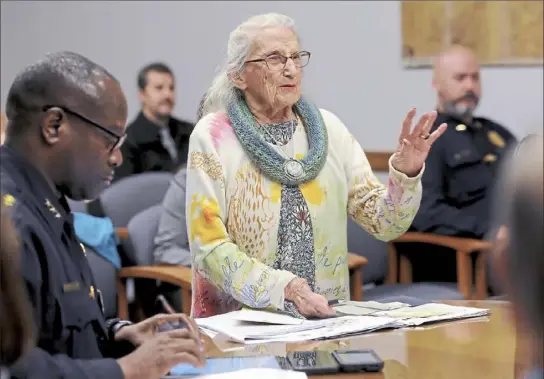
column 500, row 32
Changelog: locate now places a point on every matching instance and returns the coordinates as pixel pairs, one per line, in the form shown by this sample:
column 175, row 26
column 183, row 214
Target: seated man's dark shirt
column 144, row 150
column 71, row 331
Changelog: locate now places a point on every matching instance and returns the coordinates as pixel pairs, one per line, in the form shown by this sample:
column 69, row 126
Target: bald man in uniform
column 461, row 167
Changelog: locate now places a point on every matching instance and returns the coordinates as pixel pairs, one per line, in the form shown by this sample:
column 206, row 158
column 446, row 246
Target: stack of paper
column 235, row 327
column 252, row 326
column 267, row 317
column 432, row 312
column 363, row 308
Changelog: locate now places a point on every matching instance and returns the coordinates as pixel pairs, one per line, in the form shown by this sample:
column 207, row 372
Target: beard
column 458, row 108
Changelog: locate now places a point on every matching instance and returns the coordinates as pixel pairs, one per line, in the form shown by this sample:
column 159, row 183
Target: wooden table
column 482, row 348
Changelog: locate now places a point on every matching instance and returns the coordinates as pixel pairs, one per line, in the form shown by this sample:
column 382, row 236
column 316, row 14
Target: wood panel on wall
column 379, row 160
column 526, row 31
column 423, row 39
column 500, row 32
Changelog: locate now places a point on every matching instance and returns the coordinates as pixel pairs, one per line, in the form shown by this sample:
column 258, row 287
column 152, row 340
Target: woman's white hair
column 241, row 39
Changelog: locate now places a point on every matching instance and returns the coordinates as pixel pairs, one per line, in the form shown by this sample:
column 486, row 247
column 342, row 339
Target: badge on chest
column 71, row 287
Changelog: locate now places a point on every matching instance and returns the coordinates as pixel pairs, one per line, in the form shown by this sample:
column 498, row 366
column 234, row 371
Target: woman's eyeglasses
column 276, row 62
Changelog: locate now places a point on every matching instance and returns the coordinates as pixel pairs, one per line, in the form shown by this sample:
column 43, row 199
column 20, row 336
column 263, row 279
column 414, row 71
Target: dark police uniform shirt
column 71, row 332
column 144, row 151
column 460, row 172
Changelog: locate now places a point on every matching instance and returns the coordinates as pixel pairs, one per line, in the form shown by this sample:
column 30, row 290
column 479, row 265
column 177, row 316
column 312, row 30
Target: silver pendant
column 293, row 168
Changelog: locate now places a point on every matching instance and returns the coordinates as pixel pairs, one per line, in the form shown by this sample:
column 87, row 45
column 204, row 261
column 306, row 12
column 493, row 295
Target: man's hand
column 144, row 331
column 157, row 355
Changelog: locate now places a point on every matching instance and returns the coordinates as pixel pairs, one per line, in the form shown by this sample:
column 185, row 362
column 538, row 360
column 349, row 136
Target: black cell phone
column 358, row 360
column 166, row 326
column 313, row 362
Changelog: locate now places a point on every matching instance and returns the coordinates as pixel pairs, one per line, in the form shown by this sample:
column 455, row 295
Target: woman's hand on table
column 308, row 303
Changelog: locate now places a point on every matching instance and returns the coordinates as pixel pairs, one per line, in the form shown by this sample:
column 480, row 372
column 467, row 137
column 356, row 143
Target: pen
column 170, row 310
column 335, row 301
column 167, row 307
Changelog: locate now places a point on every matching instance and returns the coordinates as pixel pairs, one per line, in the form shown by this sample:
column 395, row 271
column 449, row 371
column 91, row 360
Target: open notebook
column 250, row 326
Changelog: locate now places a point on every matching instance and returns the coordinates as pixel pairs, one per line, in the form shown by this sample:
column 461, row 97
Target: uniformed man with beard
column 461, row 168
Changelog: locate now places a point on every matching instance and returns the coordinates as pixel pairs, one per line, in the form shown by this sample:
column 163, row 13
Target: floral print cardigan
column 241, row 225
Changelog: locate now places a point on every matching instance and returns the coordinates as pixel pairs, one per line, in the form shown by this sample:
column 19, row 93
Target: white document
column 432, row 312
column 267, row 317
column 228, row 325
column 210, row 333
column 373, row 305
column 365, row 308
column 350, row 310
column 259, row 327
column 342, row 327
column 261, row 373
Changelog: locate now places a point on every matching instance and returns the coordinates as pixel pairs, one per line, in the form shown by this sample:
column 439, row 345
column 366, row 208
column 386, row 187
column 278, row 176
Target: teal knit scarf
column 271, row 163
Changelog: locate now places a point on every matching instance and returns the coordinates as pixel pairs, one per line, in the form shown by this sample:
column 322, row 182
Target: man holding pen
column 67, row 119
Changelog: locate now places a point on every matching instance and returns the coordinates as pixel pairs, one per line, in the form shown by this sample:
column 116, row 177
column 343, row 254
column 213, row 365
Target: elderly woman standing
column 271, row 179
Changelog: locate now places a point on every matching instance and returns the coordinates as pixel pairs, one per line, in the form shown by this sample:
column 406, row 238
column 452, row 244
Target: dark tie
column 168, row 142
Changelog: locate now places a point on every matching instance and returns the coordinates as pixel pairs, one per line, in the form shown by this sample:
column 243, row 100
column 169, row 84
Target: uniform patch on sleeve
column 8, row 200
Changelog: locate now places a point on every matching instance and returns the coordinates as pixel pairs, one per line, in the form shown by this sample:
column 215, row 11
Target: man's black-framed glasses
column 117, row 140
column 276, row 62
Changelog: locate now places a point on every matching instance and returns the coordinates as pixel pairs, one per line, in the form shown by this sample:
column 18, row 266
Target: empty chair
column 378, row 285
column 142, row 229
column 130, row 195
column 360, row 242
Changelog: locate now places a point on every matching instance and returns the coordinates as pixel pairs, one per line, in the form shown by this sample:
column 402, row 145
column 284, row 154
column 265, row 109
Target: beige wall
column 356, row 68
